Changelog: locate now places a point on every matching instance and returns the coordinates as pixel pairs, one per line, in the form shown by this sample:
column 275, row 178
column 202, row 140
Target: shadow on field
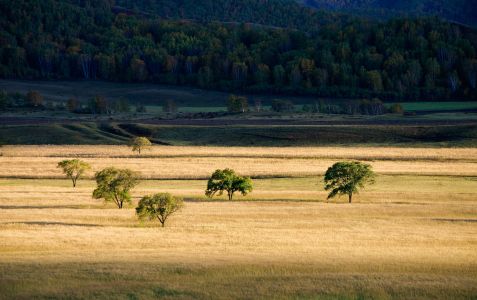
column 456, row 220
column 51, row 224
column 38, row 207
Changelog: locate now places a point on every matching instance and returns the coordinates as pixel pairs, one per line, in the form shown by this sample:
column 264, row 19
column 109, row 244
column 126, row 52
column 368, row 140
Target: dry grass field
column 412, row 235
column 169, row 162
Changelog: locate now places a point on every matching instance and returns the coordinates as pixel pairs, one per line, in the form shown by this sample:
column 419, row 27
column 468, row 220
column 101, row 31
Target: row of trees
column 235, row 104
column 34, row 100
column 115, row 185
column 240, row 104
column 338, row 57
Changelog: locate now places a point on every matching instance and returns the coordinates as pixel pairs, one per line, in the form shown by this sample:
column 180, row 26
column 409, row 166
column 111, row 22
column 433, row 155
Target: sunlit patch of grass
column 407, row 236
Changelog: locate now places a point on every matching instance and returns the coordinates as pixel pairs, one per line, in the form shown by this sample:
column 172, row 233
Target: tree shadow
column 456, row 220
column 38, row 207
column 52, row 224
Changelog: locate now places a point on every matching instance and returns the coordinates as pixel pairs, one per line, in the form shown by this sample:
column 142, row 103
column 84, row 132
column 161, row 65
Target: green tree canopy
column 74, row 169
column 159, row 206
column 227, row 180
column 140, row 143
column 115, row 185
column 345, row 178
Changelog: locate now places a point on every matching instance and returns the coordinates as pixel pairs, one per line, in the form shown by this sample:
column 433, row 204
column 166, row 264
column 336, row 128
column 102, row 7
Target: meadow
column 411, row 235
column 400, row 133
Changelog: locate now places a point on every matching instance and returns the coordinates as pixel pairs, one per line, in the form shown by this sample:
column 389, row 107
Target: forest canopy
column 337, row 56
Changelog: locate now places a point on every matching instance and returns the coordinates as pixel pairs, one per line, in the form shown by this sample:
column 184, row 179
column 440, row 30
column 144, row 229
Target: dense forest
column 339, row 56
column 462, row 11
column 274, row 13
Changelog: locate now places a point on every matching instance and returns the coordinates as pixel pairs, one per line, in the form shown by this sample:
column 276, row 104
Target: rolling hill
column 288, row 48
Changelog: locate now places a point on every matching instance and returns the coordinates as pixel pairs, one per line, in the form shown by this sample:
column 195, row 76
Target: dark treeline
column 401, row 59
column 462, row 11
column 274, row 13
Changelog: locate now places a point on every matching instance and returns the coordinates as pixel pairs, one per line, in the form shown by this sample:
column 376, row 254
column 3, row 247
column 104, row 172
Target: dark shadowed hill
column 294, row 51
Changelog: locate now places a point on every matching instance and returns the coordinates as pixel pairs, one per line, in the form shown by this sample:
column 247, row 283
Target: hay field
column 411, row 235
column 166, row 162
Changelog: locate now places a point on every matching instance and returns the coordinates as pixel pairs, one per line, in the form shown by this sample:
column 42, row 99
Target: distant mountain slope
column 461, row 11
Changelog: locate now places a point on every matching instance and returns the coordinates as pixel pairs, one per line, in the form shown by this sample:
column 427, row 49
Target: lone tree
column 237, row 104
column 140, row 143
column 344, row 178
column 34, row 98
column 159, row 206
column 227, row 180
column 73, row 169
column 114, row 185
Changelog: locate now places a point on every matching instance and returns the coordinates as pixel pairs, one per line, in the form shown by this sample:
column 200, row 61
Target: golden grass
column 373, row 153
column 398, row 240
column 200, row 162
column 408, row 236
column 42, row 228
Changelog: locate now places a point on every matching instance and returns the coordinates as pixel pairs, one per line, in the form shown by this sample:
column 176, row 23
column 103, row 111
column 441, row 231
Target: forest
column 461, row 11
column 316, row 54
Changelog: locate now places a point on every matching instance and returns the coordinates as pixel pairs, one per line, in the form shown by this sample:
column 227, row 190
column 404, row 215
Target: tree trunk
column 350, row 196
column 230, row 194
column 74, row 182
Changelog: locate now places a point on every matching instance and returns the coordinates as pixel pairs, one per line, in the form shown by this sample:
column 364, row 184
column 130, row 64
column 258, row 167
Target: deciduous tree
column 140, row 143
column 159, row 206
column 345, row 178
column 114, row 185
column 237, row 104
column 74, row 169
column 227, row 180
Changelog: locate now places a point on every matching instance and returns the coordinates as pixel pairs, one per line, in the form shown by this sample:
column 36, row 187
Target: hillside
column 278, row 13
column 340, row 57
column 461, row 11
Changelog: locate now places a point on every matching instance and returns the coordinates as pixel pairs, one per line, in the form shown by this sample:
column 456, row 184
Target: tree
column 73, row 169
column 140, row 143
column 237, row 104
column 344, row 178
column 159, row 206
column 98, row 105
column 34, row 98
column 227, row 180
column 115, row 185
column 396, row 109
column 138, row 70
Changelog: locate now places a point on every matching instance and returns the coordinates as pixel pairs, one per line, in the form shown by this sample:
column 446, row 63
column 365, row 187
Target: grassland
column 411, row 235
column 167, row 162
column 189, row 99
column 439, row 106
column 425, row 135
